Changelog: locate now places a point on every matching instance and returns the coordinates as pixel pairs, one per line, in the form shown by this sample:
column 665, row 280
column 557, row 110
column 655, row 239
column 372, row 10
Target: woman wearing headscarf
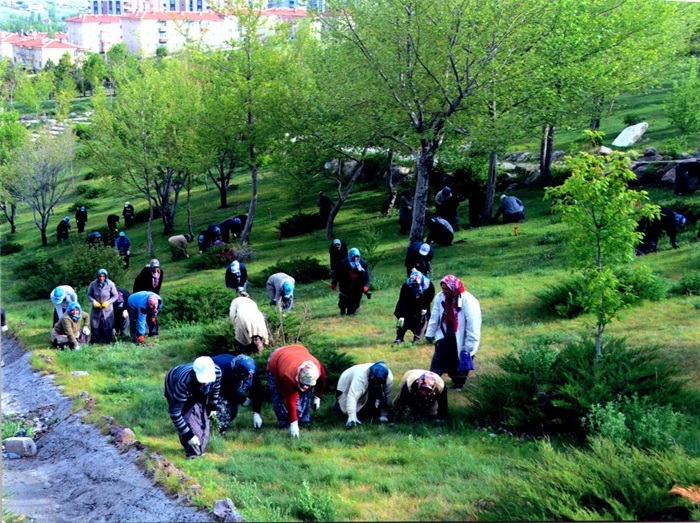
column 352, row 276
column 61, row 297
column 240, row 385
column 455, row 327
column 249, row 324
column 81, row 218
column 280, row 288
column 71, row 329
column 150, row 278
column 62, row 229
column 337, row 252
column 363, row 391
column 143, row 307
column 121, row 313
column 297, row 381
column 236, row 276
column 412, row 309
column 423, row 393
column 102, row 294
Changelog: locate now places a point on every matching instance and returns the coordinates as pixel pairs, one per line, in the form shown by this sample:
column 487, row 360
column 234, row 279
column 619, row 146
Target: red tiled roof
column 285, row 13
column 45, row 43
column 94, row 19
column 10, row 38
column 189, row 16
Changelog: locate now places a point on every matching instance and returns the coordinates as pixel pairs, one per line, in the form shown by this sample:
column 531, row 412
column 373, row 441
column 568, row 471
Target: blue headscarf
column 287, row 288
column 67, row 220
column 418, row 282
column 378, row 371
column 102, row 283
column 354, row 264
column 243, row 369
column 57, row 296
column 73, row 306
column 82, row 208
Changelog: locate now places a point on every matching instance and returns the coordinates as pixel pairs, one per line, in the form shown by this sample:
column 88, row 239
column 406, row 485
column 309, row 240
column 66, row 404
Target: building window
column 199, row 5
column 191, row 6
column 172, row 5
column 95, row 8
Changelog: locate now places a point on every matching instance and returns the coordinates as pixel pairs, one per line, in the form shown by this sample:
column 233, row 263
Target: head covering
column 152, row 301
column 122, row 234
column 503, row 196
column 243, row 368
column 352, row 253
column 378, row 371
column 235, row 267
column 217, row 230
column 337, row 242
column 447, row 189
column 66, row 219
column 426, row 381
column 452, row 301
column 99, row 273
column 680, row 219
column 287, row 288
column 127, row 204
column 96, row 234
column 424, row 249
column 204, row 370
column 307, row 374
column 417, row 281
column 237, row 221
column 154, row 263
column 73, row 306
column 57, row 295
column 82, row 207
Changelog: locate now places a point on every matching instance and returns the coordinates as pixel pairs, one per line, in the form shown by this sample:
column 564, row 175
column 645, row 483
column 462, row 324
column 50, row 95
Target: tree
column 8, row 81
column 40, row 174
column 12, row 136
column 683, row 104
column 425, row 61
column 94, row 71
column 601, row 213
column 34, row 90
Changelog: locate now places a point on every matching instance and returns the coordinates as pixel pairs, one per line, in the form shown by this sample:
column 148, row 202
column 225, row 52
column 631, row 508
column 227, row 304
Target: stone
column 669, row 177
column 558, row 154
column 507, row 166
column 604, row 151
column 79, row 373
column 22, row 446
column 125, row 437
column 532, row 179
column 650, row 151
column 630, row 135
column 697, row 153
column 225, row 511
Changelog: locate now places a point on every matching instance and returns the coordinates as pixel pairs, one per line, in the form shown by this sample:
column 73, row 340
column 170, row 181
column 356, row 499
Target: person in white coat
column 364, row 390
column 455, row 327
column 61, row 297
column 250, row 326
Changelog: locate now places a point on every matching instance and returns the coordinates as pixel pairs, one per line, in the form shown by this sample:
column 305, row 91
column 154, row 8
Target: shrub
column 290, row 328
column 80, row 268
column 197, row 303
column 369, row 243
column 7, row 247
column 218, row 338
column 142, row 215
column 85, row 192
column 550, row 238
column 606, row 482
column 632, row 119
column 214, row 258
column 303, row 270
column 313, row 505
column 84, row 131
column 541, row 390
column 374, row 169
column 300, row 223
column 688, row 285
column 563, row 298
column 38, row 275
column 630, row 421
column 335, row 363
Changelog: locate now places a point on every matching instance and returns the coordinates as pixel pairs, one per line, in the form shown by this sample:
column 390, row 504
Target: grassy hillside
column 375, row 472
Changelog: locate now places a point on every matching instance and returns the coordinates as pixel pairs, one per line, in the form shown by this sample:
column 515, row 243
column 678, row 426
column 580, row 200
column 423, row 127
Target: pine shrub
column 303, row 270
column 80, row 268
column 688, row 285
column 606, row 482
column 300, row 223
column 7, row 247
column 202, row 304
column 38, row 275
column 312, row 505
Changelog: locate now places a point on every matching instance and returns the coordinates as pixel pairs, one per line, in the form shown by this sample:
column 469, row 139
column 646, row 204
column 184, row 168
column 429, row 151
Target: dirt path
column 77, row 474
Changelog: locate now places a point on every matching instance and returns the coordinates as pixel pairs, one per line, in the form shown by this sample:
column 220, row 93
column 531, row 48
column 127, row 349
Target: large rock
column 22, row 446
column 532, row 179
column 558, row 154
column 225, row 511
column 630, row 135
column 669, row 177
column 604, row 151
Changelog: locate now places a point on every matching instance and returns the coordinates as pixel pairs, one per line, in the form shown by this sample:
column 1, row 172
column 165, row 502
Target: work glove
column 333, row 286
column 96, row 304
column 194, row 443
column 246, row 403
column 352, row 422
column 153, row 319
column 383, row 419
column 316, row 403
column 4, row 328
column 212, row 414
column 128, row 253
column 294, row 429
column 423, row 312
column 125, row 314
column 105, row 305
column 399, row 323
column 200, row 252
column 86, row 331
column 240, row 289
column 257, row 420
column 365, row 289
column 141, row 338
column 430, row 339
column 77, row 347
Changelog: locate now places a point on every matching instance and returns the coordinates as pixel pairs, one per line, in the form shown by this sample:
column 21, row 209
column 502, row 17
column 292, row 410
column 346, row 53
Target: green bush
column 374, row 169
column 85, row 192
column 303, row 270
column 7, row 247
column 80, row 268
column 563, row 298
column 313, row 506
column 289, row 328
column 218, row 337
column 635, row 422
column 541, row 391
column 688, row 285
column 300, row 223
column 214, row 258
column 632, row 119
column 369, row 246
column 38, row 275
column 197, row 303
column 606, row 482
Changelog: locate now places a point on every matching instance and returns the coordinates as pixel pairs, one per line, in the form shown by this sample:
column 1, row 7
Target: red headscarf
column 456, row 287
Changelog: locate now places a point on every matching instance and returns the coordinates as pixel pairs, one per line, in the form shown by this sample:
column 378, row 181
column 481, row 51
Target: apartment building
column 97, row 33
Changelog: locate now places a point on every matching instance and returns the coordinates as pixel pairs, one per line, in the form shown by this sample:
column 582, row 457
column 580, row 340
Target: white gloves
column 86, row 331
column 352, row 421
column 77, row 347
column 257, row 421
column 4, row 328
column 193, row 441
column 317, row 403
column 383, row 419
column 400, row 322
column 125, row 314
column 240, row 289
column 212, row 414
column 294, row 429
column 423, row 312
column 128, row 253
column 246, row 403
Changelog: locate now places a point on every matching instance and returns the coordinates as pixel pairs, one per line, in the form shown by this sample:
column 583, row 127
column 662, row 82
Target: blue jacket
column 122, row 244
column 138, row 305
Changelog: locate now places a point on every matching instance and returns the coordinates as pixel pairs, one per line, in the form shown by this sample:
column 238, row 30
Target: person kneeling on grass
column 71, row 330
column 296, row 380
column 363, row 391
column 240, row 385
column 424, row 394
column 192, row 392
column 143, row 307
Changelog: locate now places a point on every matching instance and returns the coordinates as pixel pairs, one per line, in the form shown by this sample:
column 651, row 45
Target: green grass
column 400, row 472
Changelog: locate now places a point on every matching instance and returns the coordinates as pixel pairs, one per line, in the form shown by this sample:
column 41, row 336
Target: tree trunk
column 44, row 239
column 546, row 144
column 595, row 123
column 342, row 197
column 390, row 187
column 424, row 167
column 149, row 233
column 223, row 194
column 245, row 235
column 189, row 208
column 490, row 188
column 13, row 218
column 599, row 343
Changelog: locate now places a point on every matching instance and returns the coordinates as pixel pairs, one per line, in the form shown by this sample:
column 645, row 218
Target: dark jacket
column 414, row 259
column 182, row 387
column 338, row 255
column 410, row 306
column 233, row 281
column 230, row 385
column 350, row 280
column 144, row 281
column 81, row 216
column 62, row 230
